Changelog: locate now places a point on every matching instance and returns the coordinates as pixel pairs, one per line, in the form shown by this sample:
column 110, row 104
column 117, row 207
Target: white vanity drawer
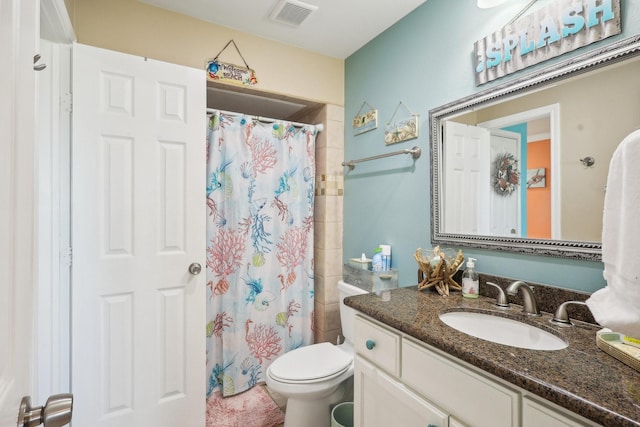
column 547, row 414
column 382, row 401
column 447, row 383
column 378, row 345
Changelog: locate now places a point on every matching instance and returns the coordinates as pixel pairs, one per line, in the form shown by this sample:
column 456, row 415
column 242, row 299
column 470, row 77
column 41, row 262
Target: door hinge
column 66, row 256
column 66, row 102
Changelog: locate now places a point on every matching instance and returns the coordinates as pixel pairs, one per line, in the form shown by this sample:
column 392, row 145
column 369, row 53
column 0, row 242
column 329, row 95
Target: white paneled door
column 466, row 179
column 138, row 180
column 505, row 211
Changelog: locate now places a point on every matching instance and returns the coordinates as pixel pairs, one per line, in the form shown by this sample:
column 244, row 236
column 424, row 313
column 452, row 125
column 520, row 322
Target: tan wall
column 133, row 27
column 70, row 5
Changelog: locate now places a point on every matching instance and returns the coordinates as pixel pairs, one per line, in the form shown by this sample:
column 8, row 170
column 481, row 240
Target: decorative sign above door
column 558, row 28
column 229, row 73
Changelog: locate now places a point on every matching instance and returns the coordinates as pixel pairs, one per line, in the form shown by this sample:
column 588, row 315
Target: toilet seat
column 313, row 363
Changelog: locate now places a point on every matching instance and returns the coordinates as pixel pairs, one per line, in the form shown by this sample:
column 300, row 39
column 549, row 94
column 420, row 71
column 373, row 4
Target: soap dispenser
column 470, row 280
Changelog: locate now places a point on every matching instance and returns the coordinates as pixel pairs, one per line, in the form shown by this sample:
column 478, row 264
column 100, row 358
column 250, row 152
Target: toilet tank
column 347, row 314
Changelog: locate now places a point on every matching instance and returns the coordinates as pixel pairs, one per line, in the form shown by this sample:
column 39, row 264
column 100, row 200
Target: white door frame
column 52, row 358
column 53, row 283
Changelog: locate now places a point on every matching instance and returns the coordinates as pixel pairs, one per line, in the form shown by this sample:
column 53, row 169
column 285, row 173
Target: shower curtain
column 260, row 194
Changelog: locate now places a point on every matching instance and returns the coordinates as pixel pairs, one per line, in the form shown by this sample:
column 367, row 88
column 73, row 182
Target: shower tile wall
column 328, row 221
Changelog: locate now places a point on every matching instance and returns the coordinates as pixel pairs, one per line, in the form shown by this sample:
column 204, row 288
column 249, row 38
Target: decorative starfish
column 440, row 277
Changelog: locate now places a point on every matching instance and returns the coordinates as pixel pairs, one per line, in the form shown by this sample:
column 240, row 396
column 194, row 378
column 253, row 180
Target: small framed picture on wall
column 536, row 178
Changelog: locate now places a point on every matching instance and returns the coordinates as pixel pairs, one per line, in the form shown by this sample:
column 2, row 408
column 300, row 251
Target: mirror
column 522, row 167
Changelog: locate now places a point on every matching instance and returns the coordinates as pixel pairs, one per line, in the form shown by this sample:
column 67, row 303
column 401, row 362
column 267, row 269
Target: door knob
column 55, row 413
column 195, row 268
column 36, row 66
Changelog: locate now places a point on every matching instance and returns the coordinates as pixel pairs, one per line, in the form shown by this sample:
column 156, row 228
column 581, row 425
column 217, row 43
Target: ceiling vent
column 292, row 12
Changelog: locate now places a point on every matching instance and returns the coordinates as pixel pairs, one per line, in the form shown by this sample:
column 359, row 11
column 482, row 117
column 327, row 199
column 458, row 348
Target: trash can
column 342, row 415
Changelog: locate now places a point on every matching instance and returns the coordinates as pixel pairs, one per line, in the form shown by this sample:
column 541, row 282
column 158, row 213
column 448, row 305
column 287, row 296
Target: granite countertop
column 581, row 378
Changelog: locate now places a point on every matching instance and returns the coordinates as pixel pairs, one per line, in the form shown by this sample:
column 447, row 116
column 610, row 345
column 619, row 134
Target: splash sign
column 558, row 28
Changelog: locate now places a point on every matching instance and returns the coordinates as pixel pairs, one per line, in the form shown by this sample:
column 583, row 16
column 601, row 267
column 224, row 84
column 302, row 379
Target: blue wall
column 522, row 130
column 425, row 60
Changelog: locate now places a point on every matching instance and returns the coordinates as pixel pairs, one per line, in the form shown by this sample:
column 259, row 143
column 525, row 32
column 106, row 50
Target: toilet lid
column 313, row 362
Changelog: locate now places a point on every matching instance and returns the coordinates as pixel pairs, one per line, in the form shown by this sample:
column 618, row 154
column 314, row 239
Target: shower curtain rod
column 319, row 127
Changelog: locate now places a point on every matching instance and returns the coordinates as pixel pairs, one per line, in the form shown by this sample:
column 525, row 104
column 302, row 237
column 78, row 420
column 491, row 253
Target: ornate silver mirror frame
column 598, row 58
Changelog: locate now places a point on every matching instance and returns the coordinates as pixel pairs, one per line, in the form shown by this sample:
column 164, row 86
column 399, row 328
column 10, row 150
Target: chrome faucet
column 529, row 304
column 561, row 317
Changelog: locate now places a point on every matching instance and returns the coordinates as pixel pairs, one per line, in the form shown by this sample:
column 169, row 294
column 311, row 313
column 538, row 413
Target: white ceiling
column 337, row 28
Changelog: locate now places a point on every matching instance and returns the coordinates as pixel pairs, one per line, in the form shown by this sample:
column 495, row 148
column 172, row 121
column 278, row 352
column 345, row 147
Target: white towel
column 617, row 306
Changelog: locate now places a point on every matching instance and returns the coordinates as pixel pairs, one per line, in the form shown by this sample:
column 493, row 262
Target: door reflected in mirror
column 507, row 163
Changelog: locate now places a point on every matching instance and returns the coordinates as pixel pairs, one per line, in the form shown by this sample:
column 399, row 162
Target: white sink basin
column 502, row 330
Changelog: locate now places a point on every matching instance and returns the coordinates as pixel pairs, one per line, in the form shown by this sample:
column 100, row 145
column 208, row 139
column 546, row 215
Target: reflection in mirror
column 507, row 169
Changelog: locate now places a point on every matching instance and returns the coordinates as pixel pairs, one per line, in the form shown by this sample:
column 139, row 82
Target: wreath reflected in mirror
column 506, row 174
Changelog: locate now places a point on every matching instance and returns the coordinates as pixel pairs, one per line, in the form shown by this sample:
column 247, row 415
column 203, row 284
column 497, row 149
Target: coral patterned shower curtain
column 260, row 193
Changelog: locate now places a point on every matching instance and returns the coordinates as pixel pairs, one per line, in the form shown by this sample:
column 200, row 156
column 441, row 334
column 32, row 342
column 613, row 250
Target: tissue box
column 371, row 281
column 360, row 263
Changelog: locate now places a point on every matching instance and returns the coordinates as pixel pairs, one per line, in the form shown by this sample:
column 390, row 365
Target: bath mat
column 253, row 408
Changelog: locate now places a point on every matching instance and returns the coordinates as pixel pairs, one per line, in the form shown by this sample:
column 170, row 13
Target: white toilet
column 314, row 377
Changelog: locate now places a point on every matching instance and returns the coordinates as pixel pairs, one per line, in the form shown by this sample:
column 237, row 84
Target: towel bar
column 415, row 153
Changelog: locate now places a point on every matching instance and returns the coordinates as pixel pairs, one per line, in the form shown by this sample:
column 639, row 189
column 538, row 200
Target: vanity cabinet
column 401, row 381
column 382, row 401
column 473, row 398
column 381, row 397
column 537, row 413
